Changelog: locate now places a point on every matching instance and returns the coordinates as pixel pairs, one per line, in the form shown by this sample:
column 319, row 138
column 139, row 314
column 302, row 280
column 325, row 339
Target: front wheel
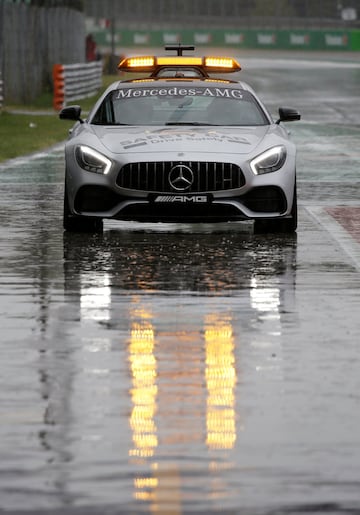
column 79, row 223
column 280, row 225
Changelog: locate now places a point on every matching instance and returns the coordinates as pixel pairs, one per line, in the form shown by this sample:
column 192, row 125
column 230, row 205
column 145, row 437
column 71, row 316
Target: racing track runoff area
column 189, row 369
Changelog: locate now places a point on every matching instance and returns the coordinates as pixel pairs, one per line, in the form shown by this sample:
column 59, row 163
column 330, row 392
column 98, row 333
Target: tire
column 282, row 225
column 79, row 223
column 290, row 224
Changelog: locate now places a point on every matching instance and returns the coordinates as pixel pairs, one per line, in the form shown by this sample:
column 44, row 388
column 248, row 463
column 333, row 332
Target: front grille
column 154, row 176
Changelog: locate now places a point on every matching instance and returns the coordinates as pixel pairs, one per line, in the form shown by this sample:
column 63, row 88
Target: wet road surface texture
column 189, row 369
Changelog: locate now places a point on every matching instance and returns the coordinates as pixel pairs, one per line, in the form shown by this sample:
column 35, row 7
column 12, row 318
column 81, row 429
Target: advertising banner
column 331, row 39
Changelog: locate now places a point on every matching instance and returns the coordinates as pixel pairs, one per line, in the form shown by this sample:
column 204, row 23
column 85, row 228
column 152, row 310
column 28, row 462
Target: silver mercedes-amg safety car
column 180, row 145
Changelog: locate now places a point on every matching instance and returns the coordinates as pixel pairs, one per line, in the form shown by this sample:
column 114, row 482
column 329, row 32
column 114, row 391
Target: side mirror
column 288, row 114
column 71, row 113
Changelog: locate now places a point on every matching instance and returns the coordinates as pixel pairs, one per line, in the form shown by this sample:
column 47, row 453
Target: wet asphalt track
column 184, row 369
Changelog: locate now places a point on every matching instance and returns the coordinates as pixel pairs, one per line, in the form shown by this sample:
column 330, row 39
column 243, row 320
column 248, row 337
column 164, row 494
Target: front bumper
column 100, row 201
column 221, row 191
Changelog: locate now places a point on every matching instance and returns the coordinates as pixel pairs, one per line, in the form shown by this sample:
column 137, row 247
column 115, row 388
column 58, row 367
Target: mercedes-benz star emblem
column 181, row 177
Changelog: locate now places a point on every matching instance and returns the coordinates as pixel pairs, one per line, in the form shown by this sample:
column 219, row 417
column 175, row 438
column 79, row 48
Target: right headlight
column 269, row 161
column 91, row 160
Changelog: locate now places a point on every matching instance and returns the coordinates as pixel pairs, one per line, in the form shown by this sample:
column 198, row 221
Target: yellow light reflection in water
column 144, row 391
column 220, row 382
column 161, row 486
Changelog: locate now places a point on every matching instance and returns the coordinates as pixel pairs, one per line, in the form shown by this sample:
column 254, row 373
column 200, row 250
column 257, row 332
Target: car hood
column 235, row 140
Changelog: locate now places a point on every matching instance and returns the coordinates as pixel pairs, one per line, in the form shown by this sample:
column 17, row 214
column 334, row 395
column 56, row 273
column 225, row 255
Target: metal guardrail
column 75, row 81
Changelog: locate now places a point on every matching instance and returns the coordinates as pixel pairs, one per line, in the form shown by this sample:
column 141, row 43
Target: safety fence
column 75, row 81
column 32, row 39
column 297, row 39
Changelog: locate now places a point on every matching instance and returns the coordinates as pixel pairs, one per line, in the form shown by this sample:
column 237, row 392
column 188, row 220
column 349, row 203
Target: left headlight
column 269, row 161
column 91, row 160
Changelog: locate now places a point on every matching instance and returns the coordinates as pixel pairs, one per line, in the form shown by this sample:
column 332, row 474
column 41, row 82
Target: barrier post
column 59, row 85
column 75, row 81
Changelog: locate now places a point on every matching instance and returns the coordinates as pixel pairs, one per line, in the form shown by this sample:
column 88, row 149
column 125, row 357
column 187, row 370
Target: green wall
column 254, row 38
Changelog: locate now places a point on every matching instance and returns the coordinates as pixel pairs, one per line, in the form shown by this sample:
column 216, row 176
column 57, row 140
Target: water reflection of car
column 179, row 145
column 193, row 262
column 178, row 321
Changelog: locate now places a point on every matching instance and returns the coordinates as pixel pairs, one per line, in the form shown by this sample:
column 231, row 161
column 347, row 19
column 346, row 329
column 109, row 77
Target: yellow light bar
column 222, row 62
column 143, row 80
column 179, row 61
column 145, row 63
column 223, row 81
column 152, row 63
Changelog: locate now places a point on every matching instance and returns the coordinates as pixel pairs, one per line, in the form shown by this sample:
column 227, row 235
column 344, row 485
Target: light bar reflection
column 220, row 382
column 144, row 391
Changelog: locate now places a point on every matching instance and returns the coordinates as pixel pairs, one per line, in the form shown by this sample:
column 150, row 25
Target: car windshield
column 180, row 105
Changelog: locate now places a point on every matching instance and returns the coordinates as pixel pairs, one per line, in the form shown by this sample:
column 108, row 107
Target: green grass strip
column 22, row 134
column 26, row 129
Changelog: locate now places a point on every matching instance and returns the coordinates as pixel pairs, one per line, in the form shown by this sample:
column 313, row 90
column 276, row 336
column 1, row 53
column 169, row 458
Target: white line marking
column 40, row 154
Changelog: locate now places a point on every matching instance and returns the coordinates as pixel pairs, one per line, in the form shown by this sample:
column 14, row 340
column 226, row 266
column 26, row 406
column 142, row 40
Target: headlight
column 269, row 161
column 91, row 160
